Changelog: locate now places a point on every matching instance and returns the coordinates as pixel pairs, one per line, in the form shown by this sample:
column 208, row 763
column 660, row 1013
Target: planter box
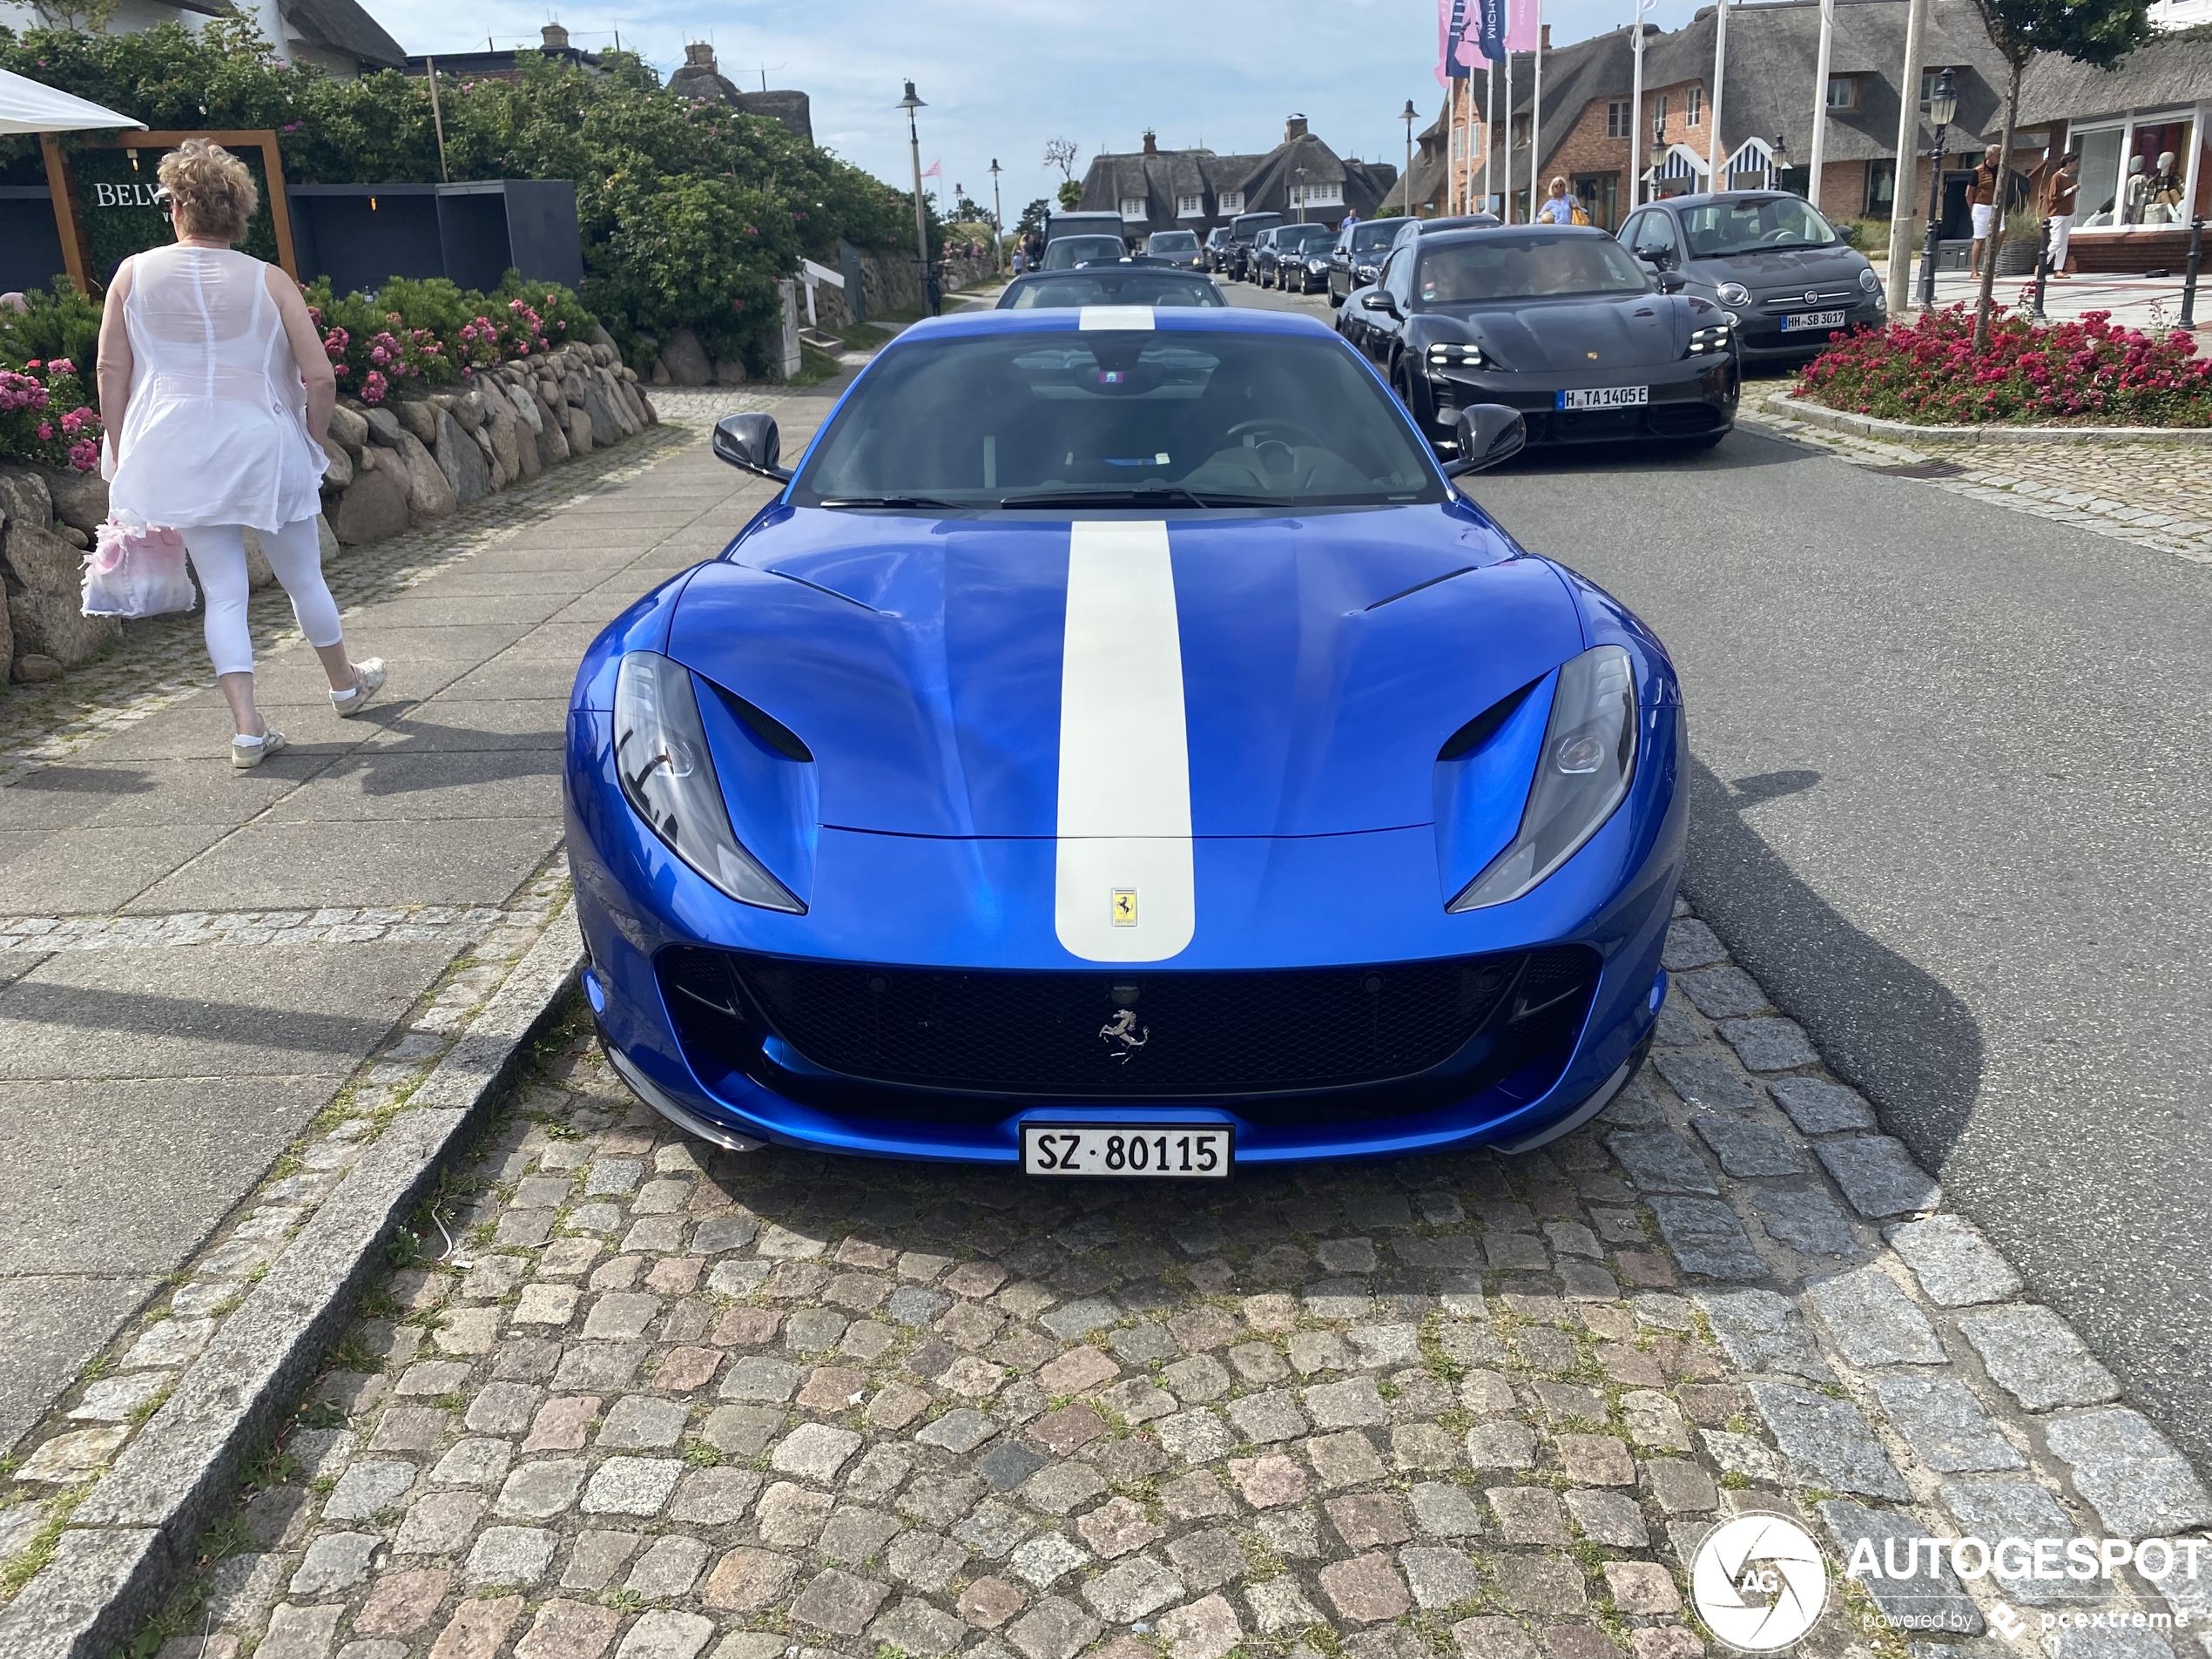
column 2164, row 249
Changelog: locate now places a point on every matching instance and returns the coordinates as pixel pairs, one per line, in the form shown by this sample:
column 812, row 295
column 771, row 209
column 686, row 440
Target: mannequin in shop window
column 2137, row 197
column 2164, row 206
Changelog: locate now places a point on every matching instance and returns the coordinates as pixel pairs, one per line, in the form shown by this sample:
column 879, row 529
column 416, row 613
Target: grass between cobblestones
column 656, row 1400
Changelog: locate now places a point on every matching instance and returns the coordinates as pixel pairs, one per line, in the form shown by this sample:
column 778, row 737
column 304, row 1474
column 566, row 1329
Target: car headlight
column 1868, row 281
column 1734, row 293
column 1317, row 264
column 668, row 777
column 1711, row 338
column 1582, row 774
column 1448, row 355
column 1365, row 272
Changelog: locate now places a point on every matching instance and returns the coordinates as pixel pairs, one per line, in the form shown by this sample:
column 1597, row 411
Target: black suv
column 1359, row 255
column 1217, row 249
column 1243, row 231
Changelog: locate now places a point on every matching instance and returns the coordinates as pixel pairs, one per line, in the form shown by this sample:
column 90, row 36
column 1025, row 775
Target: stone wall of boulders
column 403, row 463
column 416, row 459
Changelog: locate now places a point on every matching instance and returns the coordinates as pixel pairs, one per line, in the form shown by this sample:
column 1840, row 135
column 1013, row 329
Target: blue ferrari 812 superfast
column 1120, row 750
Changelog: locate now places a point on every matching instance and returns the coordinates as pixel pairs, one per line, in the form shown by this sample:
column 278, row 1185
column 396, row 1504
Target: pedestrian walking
column 2059, row 198
column 216, row 393
column 1562, row 208
column 1983, row 203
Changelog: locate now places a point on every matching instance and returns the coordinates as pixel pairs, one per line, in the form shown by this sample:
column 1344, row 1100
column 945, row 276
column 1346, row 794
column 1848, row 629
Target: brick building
column 1589, row 113
column 1195, row 190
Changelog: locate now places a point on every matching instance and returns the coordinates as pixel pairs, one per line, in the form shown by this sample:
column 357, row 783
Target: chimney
column 1547, row 37
column 557, row 39
column 1151, row 142
column 1294, row 128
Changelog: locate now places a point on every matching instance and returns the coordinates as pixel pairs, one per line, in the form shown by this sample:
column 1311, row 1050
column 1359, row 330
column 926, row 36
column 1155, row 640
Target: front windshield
column 1097, row 417
column 1527, row 267
column 1377, row 233
column 1115, row 287
column 1078, row 250
column 1715, row 230
column 1305, row 236
column 1173, row 241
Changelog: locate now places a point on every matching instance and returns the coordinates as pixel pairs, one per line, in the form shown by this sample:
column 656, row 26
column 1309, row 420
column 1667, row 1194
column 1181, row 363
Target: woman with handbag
column 216, row 391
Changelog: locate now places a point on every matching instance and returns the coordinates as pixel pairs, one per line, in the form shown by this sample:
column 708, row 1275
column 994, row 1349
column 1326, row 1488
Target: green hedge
column 689, row 212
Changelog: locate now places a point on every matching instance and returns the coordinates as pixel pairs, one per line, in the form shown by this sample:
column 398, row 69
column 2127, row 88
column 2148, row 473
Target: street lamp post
column 910, row 103
column 998, row 221
column 1298, row 173
column 1943, row 104
column 1408, row 115
column 1781, row 157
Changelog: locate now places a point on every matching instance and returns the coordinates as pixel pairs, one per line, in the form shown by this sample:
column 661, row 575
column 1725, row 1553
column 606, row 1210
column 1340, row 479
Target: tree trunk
column 1982, row 306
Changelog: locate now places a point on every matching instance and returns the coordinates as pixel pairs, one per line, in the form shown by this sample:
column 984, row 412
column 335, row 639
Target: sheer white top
column 216, row 432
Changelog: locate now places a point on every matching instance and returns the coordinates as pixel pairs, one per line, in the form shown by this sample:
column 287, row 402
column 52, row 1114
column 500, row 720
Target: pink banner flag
column 1443, row 41
column 1524, row 24
column 934, row 169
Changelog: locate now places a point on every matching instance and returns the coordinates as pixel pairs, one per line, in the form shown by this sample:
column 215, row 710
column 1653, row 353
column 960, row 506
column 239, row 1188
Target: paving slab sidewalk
column 197, row 962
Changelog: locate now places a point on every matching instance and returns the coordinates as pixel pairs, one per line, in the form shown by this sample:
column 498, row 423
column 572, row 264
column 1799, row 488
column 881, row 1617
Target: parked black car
column 1295, row 256
column 1767, row 258
column 1179, row 248
column 1356, row 260
column 1558, row 322
column 1352, row 320
column 1217, row 249
column 1125, row 284
column 1071, row 251
column 1243, row 231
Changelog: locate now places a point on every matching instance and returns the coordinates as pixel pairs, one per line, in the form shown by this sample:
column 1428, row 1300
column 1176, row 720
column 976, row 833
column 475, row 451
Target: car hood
column 1783, row 268
column 1613, row 330
column 1325, row 660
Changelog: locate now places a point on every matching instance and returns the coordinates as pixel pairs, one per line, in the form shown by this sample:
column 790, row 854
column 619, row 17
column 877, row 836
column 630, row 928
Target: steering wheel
column 1277, row 423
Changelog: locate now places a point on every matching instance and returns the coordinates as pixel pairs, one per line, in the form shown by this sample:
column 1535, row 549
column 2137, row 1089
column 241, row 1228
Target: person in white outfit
column 216, row 393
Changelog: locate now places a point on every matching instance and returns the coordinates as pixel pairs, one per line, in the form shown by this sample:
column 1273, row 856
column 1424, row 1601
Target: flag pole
column 1635, row 116
column 1714, row 156
column 1536, row 114
column 1507, row 203
column 1820, row 99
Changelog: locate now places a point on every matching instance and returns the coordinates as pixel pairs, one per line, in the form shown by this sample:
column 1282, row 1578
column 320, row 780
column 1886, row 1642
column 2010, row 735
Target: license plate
column 1603, row 397
column 1176, row 1151
column 1813, row 320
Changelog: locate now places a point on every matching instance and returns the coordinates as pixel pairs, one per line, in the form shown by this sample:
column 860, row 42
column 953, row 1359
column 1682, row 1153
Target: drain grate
column 1923, row 469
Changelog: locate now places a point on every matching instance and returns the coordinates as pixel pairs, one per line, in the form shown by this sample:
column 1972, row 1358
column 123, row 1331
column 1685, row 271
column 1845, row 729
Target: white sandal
column 370, row 682
column 247, row 752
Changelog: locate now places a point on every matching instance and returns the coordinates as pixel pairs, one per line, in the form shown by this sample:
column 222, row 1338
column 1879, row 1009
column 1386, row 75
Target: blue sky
column 1001, row 77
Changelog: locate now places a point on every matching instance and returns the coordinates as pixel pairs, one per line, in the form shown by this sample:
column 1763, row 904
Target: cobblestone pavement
column 658, row 1401
column 2154, row 495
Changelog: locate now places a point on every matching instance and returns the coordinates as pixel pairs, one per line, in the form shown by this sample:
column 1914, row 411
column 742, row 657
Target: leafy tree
column 2099, row 32
column 689, row 212
column 1071, row 194
column 1032, row 220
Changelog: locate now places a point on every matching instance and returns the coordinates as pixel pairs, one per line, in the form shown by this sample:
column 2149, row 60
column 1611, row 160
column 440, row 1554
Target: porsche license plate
column 1177, row 1151
column 1603, row 397
column 1806, row 320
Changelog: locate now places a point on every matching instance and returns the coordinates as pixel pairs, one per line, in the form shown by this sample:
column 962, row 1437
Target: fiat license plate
column 1806, row 320
column 1603, row 397
column 1177, row 1151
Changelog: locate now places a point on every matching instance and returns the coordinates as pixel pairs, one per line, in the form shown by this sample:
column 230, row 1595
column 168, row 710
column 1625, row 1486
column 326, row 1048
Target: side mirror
column 1652, row 254
column 1379, row 300
column 750, row 441
column 1672, row 283
column 1489, row 433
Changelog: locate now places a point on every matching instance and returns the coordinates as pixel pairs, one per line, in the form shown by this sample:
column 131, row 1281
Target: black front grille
column 1054, row 1035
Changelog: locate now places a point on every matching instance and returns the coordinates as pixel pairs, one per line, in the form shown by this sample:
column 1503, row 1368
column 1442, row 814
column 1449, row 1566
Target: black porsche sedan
column 1124, row 284
column 1357, row 258
column 1768, row 258
column 1558, row 322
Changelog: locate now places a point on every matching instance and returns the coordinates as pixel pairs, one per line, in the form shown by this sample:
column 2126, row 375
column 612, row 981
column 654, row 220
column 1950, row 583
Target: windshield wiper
column 1135, row 495
column 890, row 501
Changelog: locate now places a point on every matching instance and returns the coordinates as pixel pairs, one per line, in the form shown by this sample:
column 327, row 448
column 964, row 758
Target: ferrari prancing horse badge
column 1125, row 907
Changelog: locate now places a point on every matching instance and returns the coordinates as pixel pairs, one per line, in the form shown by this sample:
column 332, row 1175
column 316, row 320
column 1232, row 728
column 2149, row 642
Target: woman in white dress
column 216, row 393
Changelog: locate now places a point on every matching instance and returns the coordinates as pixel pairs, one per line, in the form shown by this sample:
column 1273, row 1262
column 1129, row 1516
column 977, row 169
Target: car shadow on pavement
column 1892, row 1031
column 1740, row 449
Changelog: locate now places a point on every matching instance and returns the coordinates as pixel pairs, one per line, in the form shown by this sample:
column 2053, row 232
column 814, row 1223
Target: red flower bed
column 2086, row 373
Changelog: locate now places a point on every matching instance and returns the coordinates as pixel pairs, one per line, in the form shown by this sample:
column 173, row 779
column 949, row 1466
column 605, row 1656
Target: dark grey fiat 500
column 1768, row 258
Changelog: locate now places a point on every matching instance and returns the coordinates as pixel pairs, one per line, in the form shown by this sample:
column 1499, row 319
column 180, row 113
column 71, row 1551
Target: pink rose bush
column 2090, row 372
column 44, row 417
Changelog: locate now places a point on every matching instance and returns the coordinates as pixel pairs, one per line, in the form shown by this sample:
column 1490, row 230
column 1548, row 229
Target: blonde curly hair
column 213, row 190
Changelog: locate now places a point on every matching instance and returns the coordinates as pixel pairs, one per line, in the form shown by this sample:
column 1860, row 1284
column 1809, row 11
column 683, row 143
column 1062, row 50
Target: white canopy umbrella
column 31, row 106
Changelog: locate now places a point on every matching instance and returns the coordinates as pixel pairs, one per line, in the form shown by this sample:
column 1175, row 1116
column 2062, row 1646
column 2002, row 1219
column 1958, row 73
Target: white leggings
column 218, row 559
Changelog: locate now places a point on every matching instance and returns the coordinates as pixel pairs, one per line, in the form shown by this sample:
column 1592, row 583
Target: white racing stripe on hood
column 1116, row 317
column 1124, row 824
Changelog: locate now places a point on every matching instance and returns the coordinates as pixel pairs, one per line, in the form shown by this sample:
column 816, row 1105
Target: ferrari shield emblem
column 1124, row 910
